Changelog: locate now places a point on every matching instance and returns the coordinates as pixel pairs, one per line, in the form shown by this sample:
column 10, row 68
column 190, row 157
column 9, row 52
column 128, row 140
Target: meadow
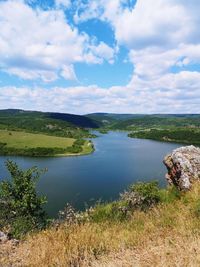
column 29, row 144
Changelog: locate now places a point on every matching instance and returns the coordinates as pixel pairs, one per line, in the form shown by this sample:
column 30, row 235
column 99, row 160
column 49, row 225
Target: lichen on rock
column 183, row 166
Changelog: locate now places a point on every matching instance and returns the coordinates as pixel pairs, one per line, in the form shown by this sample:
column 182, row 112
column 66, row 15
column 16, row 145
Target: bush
column 76, row 147
column 141, row 196
column 20, row 208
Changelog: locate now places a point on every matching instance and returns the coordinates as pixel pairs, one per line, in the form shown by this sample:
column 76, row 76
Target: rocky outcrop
column 3, row 237
column 183, row 166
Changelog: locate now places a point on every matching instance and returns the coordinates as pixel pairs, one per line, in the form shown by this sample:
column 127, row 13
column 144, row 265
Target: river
column 117, row 162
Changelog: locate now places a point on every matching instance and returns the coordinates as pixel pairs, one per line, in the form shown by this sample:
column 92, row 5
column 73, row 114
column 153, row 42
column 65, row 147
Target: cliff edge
column 183, row 166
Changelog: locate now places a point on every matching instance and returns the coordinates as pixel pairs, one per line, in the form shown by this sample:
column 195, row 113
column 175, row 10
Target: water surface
column 117, row 162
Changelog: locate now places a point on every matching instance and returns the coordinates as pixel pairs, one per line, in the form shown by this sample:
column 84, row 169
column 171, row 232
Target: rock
column 3, row 237
column 183, row 166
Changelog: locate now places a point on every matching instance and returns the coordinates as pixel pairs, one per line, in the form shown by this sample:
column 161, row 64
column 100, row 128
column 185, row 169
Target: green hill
column 59, row 124
column 129, row 121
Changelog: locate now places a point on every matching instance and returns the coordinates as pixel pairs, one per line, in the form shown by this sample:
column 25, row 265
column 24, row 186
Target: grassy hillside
column 58, row 124
column 166, row 234
column 22, row 143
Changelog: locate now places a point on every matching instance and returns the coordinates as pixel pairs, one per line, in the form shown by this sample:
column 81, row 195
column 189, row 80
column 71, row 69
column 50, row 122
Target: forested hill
column 60, row 124
column 130, row 121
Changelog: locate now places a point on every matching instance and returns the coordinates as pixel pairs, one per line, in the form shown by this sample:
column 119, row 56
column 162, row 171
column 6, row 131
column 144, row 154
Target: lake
column 117, row 162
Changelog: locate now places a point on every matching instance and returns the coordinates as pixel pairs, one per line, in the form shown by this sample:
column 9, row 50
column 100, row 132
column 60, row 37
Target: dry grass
column 168, row 235
column 170, row 251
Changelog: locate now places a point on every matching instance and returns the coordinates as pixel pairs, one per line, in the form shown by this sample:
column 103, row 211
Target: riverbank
column 173, row 135
column 20, row 143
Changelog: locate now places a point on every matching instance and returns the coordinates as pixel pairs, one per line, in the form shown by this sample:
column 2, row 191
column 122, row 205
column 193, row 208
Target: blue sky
column 120, row 56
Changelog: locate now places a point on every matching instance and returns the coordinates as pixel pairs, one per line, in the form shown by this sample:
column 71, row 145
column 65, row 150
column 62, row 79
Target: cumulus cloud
column 171, row 93
column 68, row 73
column 147, row 23
column 36, row 43
column 164, row 46
column 63, row 3
column 162, row 38
column 165, row 32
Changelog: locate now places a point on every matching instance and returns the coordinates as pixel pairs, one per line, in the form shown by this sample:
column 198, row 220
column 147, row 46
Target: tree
column 20, row 207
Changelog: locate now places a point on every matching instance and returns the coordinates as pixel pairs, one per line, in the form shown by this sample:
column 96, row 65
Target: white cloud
column 36, row 43
column 103, row 52
column 149, row 23
column 151, row 63
column 159, row 33
column 68, row 73
column 162, row 38
column 63, row 3
column 157, row 23
column 171, row 93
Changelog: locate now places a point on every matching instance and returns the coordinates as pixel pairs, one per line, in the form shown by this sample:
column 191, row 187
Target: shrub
column 67, row 215
column 142, row 195
column 76, row 147
column 20, row 208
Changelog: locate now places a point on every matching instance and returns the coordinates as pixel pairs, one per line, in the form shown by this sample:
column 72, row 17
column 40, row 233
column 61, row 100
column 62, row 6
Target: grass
column 19, row 142
column 17, row 139
column 166, row 235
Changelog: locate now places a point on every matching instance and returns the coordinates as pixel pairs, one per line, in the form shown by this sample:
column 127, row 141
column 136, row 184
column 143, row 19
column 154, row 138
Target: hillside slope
column 59, row 124
column 130, row 121
column 166, row 235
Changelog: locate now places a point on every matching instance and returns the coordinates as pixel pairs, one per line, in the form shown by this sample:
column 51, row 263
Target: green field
column 28, row 140
column 29, row 144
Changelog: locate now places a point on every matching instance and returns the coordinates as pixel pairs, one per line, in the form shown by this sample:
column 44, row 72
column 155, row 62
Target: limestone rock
column 3, row 237
column 183, row 166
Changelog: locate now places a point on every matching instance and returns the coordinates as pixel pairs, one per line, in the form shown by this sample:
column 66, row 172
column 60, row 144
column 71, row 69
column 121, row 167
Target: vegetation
column 20, row 208
column 103, row 131
column 159, row 121
column 147, row 226
column 56, row 124
column 29, row 144
column 181, row 135
column 132, row 121
column 183, row 128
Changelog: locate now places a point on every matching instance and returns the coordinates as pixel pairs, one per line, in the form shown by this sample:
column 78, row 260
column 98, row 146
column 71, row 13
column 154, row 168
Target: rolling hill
column 59, row 124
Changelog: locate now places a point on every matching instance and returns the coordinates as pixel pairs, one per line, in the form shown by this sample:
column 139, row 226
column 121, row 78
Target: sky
column 84, row 56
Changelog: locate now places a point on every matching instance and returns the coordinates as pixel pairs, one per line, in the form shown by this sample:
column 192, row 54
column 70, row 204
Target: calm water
column 117, row 162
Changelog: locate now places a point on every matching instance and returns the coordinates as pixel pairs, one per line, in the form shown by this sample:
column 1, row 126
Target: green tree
column 21, row 208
